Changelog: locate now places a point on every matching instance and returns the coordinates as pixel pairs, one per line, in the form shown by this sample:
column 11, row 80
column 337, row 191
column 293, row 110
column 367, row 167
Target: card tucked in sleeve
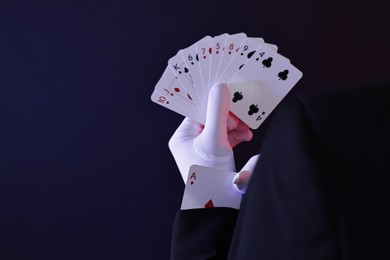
column 210, row 187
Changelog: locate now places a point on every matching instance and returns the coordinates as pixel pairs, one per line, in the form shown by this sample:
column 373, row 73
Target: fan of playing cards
column 257, row 76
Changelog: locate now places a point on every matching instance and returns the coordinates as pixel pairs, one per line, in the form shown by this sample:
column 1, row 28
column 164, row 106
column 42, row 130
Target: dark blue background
column 85, row 171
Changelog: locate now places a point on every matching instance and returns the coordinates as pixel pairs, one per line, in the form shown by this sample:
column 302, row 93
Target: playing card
column 164, row 99
column 260, row 85
column 192, row 59
column 166, row 94
column 210, row 187
column 217, row 47
column 182, row 73
column 204, row 50
column 233, row 42
column 241, row 56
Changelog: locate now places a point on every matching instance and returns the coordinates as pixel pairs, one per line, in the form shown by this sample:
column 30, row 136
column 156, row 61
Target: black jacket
column 320, row 190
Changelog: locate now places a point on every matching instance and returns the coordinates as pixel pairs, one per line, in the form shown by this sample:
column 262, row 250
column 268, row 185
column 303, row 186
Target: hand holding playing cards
column 209, row 145
column 219, row 118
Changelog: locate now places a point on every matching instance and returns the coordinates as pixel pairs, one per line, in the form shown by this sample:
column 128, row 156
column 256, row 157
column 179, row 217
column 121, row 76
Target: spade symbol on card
column 250, row 54
column 283, row 75
column 267, row 62
column 237, row 96
column 209, row 204
column 253, row 109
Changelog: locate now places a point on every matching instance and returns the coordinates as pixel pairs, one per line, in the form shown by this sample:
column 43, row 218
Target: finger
column 217, row 111
column 236, row 137
column 214, row 137
column 241, row 179
column 251, row 164
column 238, row 131
column 233, row 122
column 241, row 126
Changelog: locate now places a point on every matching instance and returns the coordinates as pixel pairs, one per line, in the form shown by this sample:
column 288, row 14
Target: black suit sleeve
column 319, row 190
column 287, row 212
column 202, row 233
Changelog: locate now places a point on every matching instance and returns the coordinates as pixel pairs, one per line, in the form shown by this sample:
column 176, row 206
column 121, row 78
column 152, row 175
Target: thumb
column 241, row 179
column 214, row 138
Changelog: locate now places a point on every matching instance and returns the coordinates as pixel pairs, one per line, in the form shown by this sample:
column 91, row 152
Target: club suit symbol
column 283, row 75
column 237, row 96
column 253, row 109
column 267, row 62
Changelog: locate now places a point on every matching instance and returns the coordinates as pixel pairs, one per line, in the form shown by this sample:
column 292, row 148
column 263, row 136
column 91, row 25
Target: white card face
column 210, row 187
column 178, row 66
column 192, row 59
column 204, row 50
column 242, row 55
column 218, row 45
column 169, row 93
column 164, row 99
column 233, row 42
column 260, row 85
column 170, row 82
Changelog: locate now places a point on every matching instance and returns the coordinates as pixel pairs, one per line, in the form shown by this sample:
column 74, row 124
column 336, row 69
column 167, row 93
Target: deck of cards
column 257, row 76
